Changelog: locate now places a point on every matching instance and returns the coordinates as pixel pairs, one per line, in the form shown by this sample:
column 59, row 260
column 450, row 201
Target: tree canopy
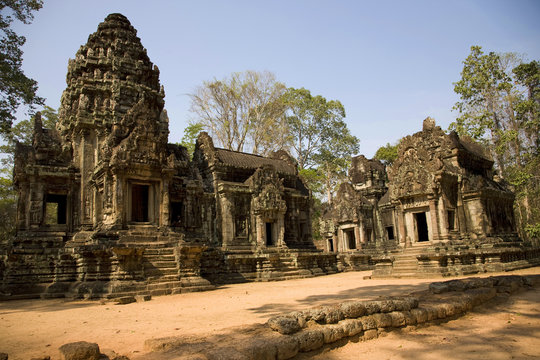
column 387, row 153
column 15, row 87
column 500, row 106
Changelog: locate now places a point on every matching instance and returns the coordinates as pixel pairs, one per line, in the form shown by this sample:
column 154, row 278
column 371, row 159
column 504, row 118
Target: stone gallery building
column 438, row 209
column 107, row 207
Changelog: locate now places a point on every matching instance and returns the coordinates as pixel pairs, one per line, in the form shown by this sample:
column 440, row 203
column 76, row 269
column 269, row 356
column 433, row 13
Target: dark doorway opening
column 177, row 210
column 390, row 232
column 421, row 226
column 351, row 240
column 331, row 245
column 139, row 202
column 56, row 209
column 451, row 220
column 269, row 240
column 368, row 235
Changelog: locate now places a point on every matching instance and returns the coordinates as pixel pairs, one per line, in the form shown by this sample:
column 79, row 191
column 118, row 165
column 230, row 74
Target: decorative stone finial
column 429, row 124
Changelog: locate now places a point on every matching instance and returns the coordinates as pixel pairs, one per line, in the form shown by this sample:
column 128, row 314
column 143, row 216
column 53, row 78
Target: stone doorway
column 139, row 202
column 55, row 209
column 269, row 234
column 350, row 238
column 421, row 227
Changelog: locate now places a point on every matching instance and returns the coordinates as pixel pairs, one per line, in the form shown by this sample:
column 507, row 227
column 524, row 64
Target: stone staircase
column 405, row 264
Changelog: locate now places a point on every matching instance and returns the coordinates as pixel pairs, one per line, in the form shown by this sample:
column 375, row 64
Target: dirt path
column 30, row 328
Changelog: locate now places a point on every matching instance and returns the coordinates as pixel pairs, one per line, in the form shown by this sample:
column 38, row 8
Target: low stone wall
column 284, row 336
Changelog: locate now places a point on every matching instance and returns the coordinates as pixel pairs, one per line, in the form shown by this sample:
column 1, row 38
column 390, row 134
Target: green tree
column 15, row 87
column 321, row 139
column 387, row 154
column 244, row 112
column 499, row 105
column 190, row 136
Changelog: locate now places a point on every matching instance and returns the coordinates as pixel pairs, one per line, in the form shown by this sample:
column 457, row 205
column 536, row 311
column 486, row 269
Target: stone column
column 227, row 221
column 402, row 235
column 357, row 237
column 433, row 216
column 443, row 217
column 280, row 231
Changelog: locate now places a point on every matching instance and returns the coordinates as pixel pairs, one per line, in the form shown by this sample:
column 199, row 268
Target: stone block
column 351, row 327
column 397, row 319
column 410, row 318
column 382, row 320
column 3, row 356
column 353, row 309
column 309, row 340
column 257, row 348
column 80, row 350
column 333, row 314
column 125, row 300
column 370, row 334
column 287, row 347
column 438, row 287
column 420, row 314
column 142, row 298
column 456, row 285
column 368, row 322
column 333, row 333
column 284, row 324
column 372, row 307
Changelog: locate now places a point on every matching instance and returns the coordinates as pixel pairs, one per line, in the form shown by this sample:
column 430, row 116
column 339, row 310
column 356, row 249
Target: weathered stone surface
column 368, row 322
column 351, row 327
column 370, row 334
column 284, row 324
column 259, row 349
column 420, row 314
column 372, row 307
column 382, row 320
column 333, row 333
column 353, row 309
column 439, row 287
column 309, row 339
column 80, row 350
column 287, row 347
column 3, row 356
column 398, row 319
column 125, row 300
column 143, row 298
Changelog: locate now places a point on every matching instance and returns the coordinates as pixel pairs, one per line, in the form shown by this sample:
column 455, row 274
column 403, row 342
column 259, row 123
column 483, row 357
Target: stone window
column 55, row 209
column 139, row 202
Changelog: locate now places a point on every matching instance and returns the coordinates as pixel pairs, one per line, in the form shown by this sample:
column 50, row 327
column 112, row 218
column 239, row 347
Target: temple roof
column 251, row 161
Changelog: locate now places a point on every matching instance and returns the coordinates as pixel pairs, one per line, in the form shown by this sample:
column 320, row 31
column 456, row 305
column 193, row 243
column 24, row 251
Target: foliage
column 320, row 137
column 387, row 154
column 15, row 87
column 500, row 106
column 190, row 136
column 244, row 112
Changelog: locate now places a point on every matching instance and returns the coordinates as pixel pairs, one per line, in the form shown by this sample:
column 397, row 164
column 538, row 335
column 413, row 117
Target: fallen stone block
column 287, row 347
column 370, row 334
column 142, row 298
column 80, row 350
column 125, row 300
column 438, row 287
column 456, row 285
column 163, row 344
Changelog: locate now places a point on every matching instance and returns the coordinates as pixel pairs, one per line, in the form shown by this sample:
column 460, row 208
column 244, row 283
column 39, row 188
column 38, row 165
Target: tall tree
column 244, row 112
column 499, row 105
column 320, row 137
column 15, row 87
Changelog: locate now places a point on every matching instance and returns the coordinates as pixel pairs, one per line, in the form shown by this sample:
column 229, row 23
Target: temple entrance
column 390, row 232
column 139, row 202
column 330, row 245
column 177, row 211
column 421, row 226
column 269, row 237
column 350, row 238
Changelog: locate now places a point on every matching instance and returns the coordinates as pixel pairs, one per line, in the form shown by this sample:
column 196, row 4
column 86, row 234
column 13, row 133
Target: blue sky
column 391, row 63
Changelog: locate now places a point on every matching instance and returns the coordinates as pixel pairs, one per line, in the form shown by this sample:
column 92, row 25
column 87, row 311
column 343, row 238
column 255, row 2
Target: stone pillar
column 357, row 237
column 433, row 216
column 362, row 235
column 402, row 235
column 280, row 231
column 443, row 217
column 227, row 221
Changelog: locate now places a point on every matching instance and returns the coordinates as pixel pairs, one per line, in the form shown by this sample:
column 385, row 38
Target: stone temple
column 108, row 208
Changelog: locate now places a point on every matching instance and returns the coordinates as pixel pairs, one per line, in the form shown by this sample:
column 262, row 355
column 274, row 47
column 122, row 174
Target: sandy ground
column 30, row 328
